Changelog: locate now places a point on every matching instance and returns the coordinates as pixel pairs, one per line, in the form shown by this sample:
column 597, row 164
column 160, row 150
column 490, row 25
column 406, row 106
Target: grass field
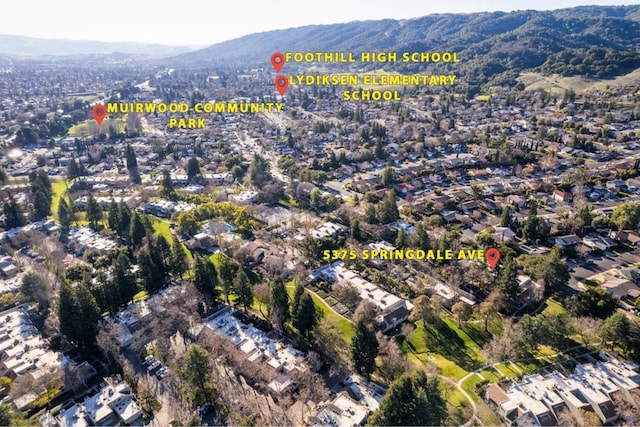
column 89, row 127
column 553, row 307
column 162, row 227
column 343, row 325
column 455, row 351
column 59, row 188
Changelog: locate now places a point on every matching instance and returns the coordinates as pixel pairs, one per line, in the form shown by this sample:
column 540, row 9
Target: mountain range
column 598, row 41
column 31, row 46
column 494, row 47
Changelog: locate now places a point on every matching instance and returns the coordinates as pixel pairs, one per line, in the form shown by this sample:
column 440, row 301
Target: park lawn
column 415, row 347
column 508, row 369
column 458, row 406
column 451, row 349
column 530, row 367
column 545, row 350
column 491, row 375
column 485, row 413
column 59, row 190
column 469, row 385
column 344, row 326
column 86, row 127
column 161, row 226
column 553, row 307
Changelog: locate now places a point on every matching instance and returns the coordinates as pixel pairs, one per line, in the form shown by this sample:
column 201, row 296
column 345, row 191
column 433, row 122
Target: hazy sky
column 205, row 22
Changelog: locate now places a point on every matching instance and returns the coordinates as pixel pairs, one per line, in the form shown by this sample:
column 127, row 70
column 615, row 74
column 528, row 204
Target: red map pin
column 277, row 60
column 281, row 84
column 492, row 255
column 99, row 113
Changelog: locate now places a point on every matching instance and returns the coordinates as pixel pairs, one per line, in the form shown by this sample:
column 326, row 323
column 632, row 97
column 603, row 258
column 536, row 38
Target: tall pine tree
column 364, row 349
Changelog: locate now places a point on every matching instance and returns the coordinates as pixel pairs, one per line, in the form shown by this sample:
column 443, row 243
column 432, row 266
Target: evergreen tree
column 279, row 305
column 94, row 211
column 73, row 171
column 400, row 239
column 370, row 214
column 364, row 349
column 196, row 371
column 505, row 218
column 167, row 189
column 161, row 252
column 150, row 273
column 41, row 205
column 113, row 221
column 130, row 157
column 178, row 261
column 89, row 317
column 378, row 151
column 193, row 168
column 243, row 290
column 556, row 273
column 508, row 279
column 124, row 279
column 412, row 400
column 39, row 180
column 355, row 231
column 14, row 217
column 34, row 288
column 137, row 231
column 225, row 277
column 65, row 214
column 305, row 318
column 124, row 220
column 258, row 172
column 68, row 312
column 388, row 211
column 388, row 176
column 315, row 198
column 420, row 237
column 615, row 329
column 204, row 274
column 297, row 294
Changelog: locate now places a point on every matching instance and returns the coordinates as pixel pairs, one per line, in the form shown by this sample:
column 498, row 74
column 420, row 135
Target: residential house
column 569, row 241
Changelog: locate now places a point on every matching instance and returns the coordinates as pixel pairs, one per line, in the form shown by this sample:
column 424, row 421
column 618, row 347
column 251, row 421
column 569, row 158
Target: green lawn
column 342, row 324
column 486, row 414
column 59, row 189
column 455, row 351
column 508, row 369
column 84, row 128
column 553, row 307
column 458, row 406
column 491, row 375
column 162, row 227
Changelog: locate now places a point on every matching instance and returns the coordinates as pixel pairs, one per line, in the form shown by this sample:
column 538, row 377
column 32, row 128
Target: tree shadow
column 478, row 336
column 443, row 340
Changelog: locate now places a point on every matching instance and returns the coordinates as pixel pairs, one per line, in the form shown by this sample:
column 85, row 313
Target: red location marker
column 282, row 83
column 99, row 113
column 277, row 60
column 492, row 255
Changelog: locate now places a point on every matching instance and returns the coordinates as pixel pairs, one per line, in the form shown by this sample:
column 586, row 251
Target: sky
column 205, row 22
